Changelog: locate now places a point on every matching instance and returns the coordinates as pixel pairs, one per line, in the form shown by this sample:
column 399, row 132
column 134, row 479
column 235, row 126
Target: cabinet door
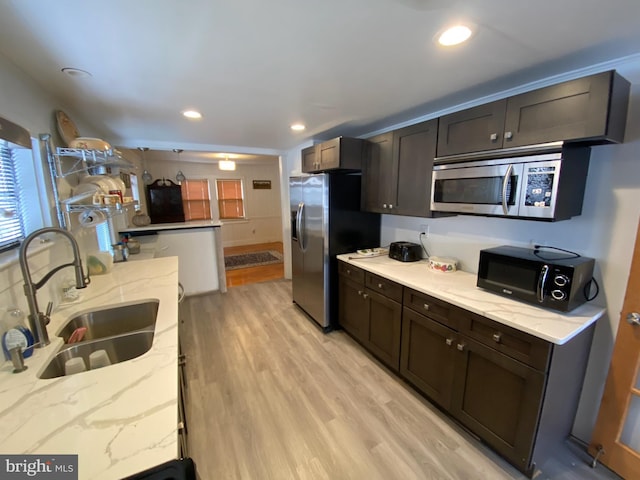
column 472, row 130
column 378, row 174
column 577, row 109
column 383, row 336
column 428, row 356
column 414, row 148
column 498, row 398
column 309, row 161
column 353, row 314
column 328, row 155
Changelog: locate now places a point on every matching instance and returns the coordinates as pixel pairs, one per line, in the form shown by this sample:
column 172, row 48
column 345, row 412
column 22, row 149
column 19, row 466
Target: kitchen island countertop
column 459, row 288
column 155, row 227
column 119, row 420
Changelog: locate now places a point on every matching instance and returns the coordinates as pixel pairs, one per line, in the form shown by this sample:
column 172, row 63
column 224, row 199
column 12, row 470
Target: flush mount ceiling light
column 193, row 114
column 454, row 35
column 297, row 127
column 226, row 164
column 75, row 72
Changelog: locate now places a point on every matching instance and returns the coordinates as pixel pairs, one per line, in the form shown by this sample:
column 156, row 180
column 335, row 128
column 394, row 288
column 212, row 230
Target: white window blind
column 12, row 213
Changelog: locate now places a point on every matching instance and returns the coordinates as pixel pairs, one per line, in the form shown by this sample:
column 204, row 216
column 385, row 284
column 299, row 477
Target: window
column 195, row 200
column 230, row 198
column 12, row 230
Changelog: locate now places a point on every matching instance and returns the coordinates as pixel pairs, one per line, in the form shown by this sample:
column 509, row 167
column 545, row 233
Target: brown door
column 617, row 430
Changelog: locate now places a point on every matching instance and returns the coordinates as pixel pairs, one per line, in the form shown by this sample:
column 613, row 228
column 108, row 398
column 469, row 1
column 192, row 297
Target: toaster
column 405, row 251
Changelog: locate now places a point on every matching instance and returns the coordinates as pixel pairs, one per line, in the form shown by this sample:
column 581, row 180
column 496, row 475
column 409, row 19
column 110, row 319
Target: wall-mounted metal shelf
column 83, row 161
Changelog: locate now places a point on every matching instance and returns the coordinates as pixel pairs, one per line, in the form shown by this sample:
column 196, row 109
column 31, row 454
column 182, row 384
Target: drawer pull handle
column 449, row 341
column 460, row 347
column 497, row 337
column 426, row 306
column 360, row 292
column 380, row 285
column 348, row 272
column 364, row 295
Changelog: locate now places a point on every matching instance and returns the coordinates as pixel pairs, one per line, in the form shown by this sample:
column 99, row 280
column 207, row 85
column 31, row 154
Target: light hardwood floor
column 244, row 276
column 270, row 396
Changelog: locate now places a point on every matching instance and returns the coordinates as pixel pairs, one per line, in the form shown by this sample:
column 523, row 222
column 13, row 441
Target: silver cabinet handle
column 384, row 205
column 497, row 337
column 365, row 295
column 505, row 184
column 460, row 347
column 449, row 341
column 493, row 137
column 634, row 319
column 426, row 306
column 508, row 135
column 541, row 283
column 380, row 286
column 360, row 292
column 348, row 272
column 390, row 206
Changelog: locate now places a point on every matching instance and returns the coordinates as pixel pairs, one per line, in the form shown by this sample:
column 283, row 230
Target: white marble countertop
column 154, row 227
column 121, row 419
column 459, row 288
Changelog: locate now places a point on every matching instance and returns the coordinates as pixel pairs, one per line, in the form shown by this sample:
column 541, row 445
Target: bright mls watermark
column 51, row 467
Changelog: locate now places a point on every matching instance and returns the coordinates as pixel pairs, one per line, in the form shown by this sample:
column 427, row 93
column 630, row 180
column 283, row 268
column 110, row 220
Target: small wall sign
column 262, row 184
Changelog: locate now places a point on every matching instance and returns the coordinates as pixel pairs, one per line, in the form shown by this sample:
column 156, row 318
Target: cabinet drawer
column 521, row 346
column 386, row 287
column 354, row 273
column 430, row 306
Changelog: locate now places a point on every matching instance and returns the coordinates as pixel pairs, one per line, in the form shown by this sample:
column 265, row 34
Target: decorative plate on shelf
column 66, row 128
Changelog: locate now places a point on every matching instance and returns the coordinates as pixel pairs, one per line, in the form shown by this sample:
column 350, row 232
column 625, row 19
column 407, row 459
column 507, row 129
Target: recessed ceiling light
column 194, row 114
column 454, row 35
column 297, row 127
column 75, row 72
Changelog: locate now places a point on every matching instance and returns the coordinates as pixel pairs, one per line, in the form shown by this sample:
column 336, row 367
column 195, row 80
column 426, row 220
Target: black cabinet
column 591, row 109
column 397, row 173
column 370, row 310
column 340, row 153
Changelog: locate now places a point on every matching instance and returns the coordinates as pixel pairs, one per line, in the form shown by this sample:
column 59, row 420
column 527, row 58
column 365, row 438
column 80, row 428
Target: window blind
column 11, row 213
column 195, row 200
column 230, row 198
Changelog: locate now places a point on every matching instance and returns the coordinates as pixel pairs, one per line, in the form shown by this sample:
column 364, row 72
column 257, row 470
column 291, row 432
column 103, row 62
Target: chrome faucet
column 38, row 321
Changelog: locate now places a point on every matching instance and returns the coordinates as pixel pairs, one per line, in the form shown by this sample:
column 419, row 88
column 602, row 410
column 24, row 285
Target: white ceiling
column 253, row 67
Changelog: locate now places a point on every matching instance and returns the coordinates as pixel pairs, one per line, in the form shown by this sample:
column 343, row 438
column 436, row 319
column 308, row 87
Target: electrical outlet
column 424, row 228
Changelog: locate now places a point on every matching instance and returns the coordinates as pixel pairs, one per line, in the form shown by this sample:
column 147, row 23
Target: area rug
column 254, row 259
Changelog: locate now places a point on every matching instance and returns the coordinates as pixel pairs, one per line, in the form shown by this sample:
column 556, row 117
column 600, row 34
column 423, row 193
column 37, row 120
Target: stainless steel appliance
column 558, row 280
column 325, row 221
column 545, row 186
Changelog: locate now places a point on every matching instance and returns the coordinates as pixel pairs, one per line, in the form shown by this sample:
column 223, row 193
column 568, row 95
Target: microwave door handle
column 541, row 282
column 505, row 185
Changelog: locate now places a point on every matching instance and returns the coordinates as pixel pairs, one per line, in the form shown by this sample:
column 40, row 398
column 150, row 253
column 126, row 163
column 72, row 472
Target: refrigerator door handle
column 299, row 229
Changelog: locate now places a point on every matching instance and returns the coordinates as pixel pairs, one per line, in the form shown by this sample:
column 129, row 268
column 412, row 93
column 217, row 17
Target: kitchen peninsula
column 198, row 245
column 119, row 420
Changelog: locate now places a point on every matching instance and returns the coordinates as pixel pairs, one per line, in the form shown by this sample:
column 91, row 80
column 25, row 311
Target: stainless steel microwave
column 547, row 186
column 556, row 280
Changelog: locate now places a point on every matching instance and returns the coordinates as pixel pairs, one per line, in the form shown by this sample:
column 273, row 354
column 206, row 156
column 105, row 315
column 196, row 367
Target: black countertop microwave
column 551, row 279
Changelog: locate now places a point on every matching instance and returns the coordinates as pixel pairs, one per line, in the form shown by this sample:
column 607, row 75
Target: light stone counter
column 121, row 419
column 459, row 288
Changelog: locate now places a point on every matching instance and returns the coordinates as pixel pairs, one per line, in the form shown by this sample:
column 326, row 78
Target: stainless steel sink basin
column 116, row 320
column 119, row 349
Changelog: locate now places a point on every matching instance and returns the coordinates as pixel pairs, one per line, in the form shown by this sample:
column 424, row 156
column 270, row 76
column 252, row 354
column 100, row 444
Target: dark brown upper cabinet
column 591, row 109
column 396, row 177
column 342, row 153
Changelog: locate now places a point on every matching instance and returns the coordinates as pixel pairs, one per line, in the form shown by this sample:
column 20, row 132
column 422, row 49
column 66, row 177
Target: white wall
column 262, row 207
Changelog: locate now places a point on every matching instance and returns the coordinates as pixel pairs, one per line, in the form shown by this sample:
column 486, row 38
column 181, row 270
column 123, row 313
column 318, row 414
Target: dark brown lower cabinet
column 371, row 318
column 428, row 356
column 497, row 398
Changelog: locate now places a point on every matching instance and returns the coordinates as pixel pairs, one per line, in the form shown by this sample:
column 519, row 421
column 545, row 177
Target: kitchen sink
column 118, row 349
column 114, row 320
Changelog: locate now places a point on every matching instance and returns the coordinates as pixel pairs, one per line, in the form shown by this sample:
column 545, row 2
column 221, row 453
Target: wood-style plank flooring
column 270, row 396
column 243, row 276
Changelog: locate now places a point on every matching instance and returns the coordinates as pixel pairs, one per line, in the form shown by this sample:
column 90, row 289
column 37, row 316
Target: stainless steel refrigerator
column 325, row 221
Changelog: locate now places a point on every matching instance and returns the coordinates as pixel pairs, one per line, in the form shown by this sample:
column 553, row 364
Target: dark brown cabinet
column 591, row 109
column 342, row 153
column 517, row 392
column 370, row 311
column 397, row 173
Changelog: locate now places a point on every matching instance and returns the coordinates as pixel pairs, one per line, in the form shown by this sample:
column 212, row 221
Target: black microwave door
column 509, row 276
